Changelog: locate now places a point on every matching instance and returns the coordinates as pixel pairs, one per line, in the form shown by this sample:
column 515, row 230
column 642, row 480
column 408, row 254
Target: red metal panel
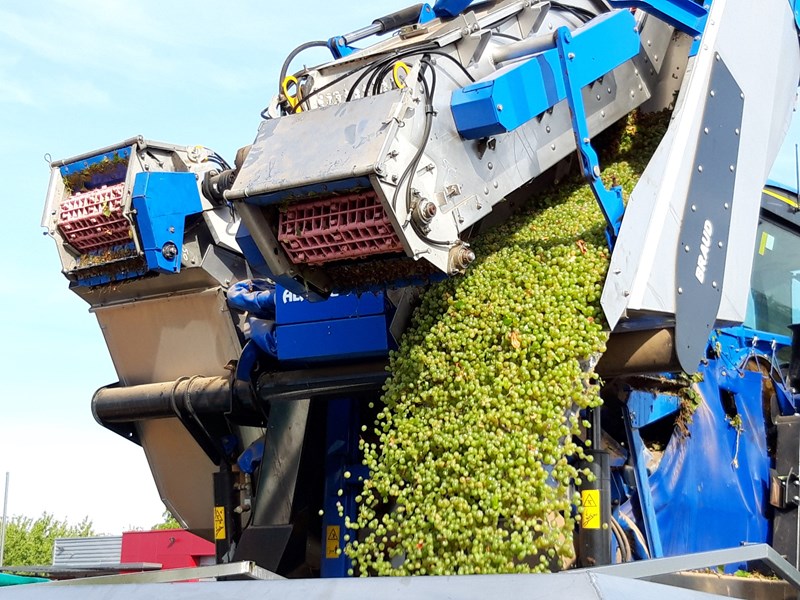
column 173, row 548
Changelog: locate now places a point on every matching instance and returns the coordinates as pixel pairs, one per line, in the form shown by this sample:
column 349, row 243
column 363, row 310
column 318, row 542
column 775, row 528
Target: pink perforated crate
column 93, row 220
column 336, row 228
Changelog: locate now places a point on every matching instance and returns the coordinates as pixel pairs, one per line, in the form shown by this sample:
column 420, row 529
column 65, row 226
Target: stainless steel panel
column 166, row 338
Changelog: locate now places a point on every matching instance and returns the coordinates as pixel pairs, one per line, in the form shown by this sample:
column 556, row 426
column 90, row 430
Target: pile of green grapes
column 478, row 435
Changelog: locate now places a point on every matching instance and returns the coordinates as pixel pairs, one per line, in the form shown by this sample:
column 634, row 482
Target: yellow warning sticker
column 590, row 518
column 219, row 523
column 332, row 541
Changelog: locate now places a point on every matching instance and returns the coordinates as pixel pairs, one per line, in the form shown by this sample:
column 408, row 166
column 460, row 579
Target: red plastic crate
column 336, row 228
column 93, row 220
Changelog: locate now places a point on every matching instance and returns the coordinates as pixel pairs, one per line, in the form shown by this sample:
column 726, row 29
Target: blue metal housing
column 516, row 94
column 447, row 9
column 162, row 202
column 341, row 327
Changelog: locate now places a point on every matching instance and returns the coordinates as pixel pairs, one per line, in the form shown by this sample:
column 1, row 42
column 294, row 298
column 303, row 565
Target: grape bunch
column 480, row 429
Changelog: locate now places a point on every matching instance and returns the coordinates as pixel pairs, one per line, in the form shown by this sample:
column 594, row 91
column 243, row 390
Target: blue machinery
column 279, row 381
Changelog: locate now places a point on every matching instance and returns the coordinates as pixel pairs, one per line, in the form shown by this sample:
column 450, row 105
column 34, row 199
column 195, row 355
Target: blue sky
column 76, row 76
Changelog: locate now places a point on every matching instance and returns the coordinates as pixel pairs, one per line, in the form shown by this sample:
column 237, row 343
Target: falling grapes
column 476, row 441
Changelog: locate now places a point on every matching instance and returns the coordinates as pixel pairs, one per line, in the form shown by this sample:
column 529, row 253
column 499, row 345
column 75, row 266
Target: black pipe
column 224, row 525
column 594, row 533
column 126, row 404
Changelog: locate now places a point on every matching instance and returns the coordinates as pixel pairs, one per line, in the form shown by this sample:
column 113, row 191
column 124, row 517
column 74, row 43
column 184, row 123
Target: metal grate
column 93, row 220
column 336, row 228
column 87, row 551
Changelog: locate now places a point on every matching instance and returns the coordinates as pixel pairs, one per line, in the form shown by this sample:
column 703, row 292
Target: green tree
column 168, row 522
column 30, row 541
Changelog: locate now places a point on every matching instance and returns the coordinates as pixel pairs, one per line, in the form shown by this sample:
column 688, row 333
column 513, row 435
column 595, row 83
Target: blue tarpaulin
column 711, row 488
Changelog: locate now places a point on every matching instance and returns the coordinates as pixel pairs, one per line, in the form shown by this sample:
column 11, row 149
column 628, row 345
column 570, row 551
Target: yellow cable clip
column 292, row 99
column 398, row 81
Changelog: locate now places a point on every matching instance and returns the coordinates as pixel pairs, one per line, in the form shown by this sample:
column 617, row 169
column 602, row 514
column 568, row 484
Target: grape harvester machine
column 249, row 308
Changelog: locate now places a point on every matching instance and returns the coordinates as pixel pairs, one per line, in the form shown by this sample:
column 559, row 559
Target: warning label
column 590, row 518
column 219, row 523
column 332, row 542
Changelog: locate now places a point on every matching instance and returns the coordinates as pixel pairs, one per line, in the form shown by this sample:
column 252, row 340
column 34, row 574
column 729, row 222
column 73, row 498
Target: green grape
column 476, row 452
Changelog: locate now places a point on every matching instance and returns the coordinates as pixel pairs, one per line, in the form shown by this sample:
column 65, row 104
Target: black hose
column 291, row 56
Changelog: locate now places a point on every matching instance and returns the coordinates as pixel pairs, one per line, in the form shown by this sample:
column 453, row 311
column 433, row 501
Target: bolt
column 687, row 248
column 172, row 230
column 552, row 146
column 169, row 251
column 427, row 210
column 596, row 171
column 726, row 205
column 736, row 131
column 705, row 130
column 694, row 208
column 463, row 258
column 700, row 168
column 732, row 168
column 571, row 55
column 499, row 108
column 494, row 183
column 490, row 166
column 680, row 290
column 712, row 93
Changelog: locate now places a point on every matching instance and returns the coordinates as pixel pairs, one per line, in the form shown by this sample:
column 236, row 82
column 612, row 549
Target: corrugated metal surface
column 87, row 551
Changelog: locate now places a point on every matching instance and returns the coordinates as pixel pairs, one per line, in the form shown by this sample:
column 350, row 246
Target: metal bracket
column 686, row 15
column 704, row 560
column 783, row 489
column 447, row 9
column 610, row 200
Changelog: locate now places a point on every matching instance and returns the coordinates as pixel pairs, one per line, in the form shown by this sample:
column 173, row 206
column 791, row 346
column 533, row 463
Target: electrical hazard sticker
column 590, row 500
column 332, row 541
column 219, row 523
